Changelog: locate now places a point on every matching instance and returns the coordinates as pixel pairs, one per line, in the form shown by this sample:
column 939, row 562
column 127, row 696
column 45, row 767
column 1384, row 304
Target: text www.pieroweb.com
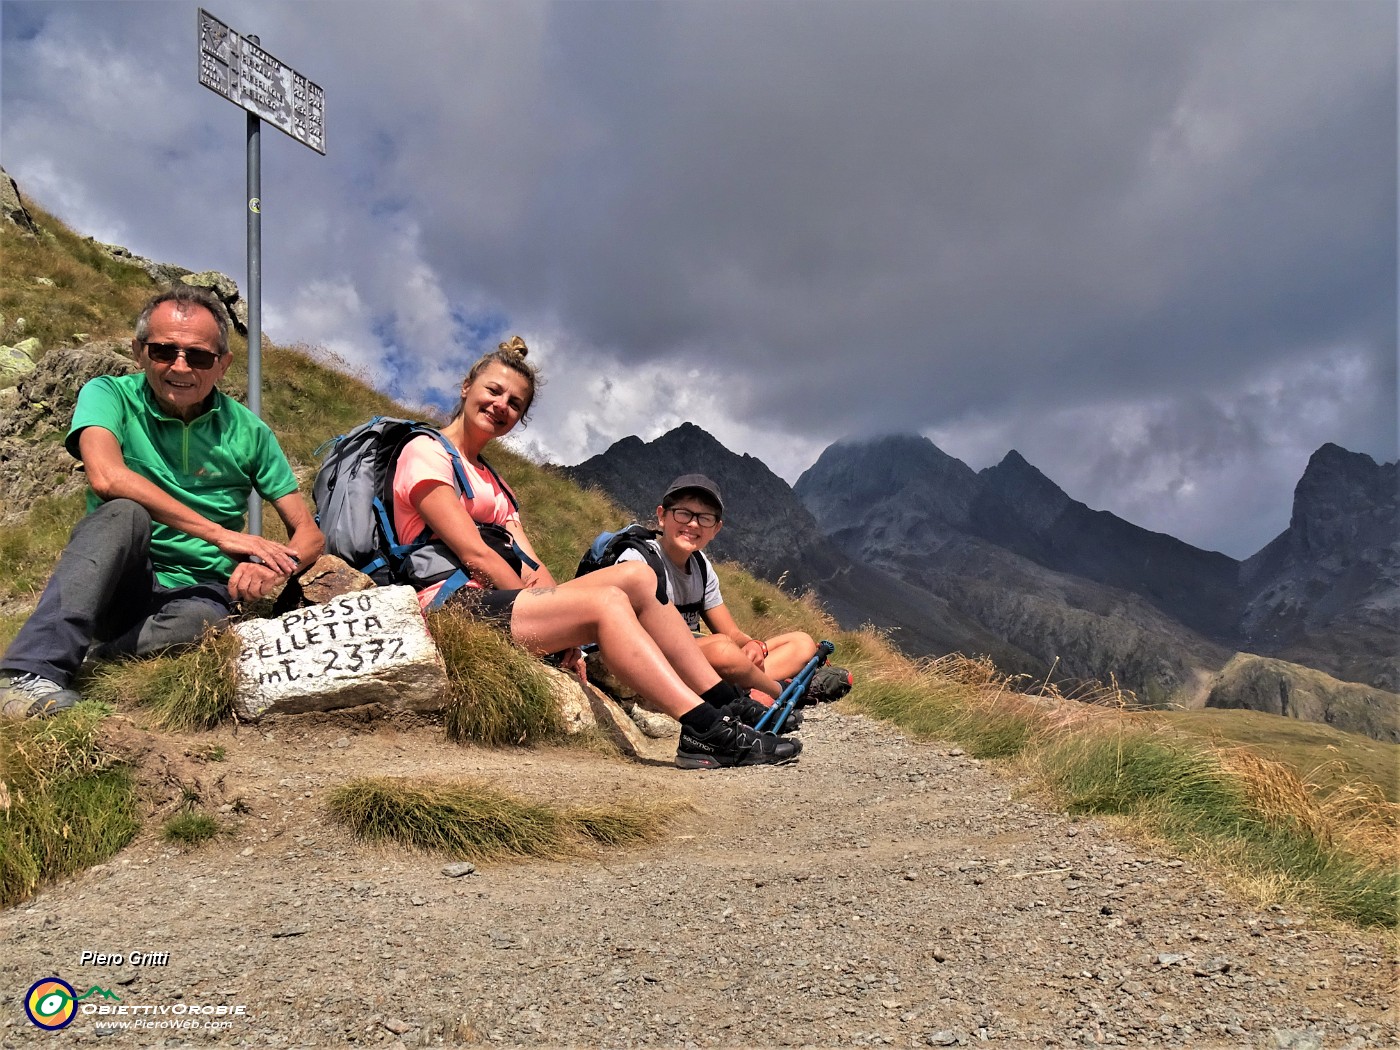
column 185, row 1023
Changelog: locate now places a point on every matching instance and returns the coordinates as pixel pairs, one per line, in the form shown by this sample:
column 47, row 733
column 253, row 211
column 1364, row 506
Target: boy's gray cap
column 695, row 483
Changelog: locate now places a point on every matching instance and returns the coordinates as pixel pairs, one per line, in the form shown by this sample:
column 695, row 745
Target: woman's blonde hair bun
column 515, row 345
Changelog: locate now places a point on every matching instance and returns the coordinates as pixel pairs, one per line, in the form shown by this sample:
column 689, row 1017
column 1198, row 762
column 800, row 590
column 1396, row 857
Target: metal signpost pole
column 255, row 292
column 237, row 68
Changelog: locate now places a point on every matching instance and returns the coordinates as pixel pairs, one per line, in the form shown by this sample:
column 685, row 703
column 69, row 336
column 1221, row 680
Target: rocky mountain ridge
column 1063, row 589
column 1325, row 592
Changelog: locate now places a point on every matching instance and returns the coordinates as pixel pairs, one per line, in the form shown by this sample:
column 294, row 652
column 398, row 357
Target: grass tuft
column 185, row 691
column 500, row 693
column 469, row 820
column 65, row 802
column 191, row 828
column 953, row 698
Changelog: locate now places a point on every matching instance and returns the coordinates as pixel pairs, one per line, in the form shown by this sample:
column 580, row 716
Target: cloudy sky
column 1151, row 246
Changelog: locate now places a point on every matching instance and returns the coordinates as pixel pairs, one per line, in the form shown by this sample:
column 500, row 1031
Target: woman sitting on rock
column 645, row 643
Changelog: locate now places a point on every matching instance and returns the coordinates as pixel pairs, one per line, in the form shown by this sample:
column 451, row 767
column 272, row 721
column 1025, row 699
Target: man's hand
column 251, row 581
column 276, row 556
column 756, row 651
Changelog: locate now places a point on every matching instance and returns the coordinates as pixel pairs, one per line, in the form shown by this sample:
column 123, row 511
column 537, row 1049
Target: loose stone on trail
column 366, row 647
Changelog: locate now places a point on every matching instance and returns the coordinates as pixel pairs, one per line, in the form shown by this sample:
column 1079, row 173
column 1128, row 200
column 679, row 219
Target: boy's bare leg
column 788, row 654
column 733, row 665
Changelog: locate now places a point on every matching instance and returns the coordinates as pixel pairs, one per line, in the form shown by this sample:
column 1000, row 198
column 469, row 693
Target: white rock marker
column 367, row 647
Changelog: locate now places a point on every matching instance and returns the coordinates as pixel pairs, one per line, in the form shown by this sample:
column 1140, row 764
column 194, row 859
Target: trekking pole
column 787, row 699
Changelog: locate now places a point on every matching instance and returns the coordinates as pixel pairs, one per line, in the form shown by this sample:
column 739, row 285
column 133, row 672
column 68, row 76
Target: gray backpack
column 354, row 494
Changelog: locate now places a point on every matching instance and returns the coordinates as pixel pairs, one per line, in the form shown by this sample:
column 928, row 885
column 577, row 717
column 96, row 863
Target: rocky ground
column 880, row 892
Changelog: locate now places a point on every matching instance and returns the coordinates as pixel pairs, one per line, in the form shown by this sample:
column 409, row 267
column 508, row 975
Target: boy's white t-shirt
column 683, row 587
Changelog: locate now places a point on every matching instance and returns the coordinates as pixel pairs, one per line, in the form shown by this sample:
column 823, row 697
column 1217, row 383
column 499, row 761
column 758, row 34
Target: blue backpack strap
column 501, row 482
column 510, row 495
column 450, row 586
column 460, row 472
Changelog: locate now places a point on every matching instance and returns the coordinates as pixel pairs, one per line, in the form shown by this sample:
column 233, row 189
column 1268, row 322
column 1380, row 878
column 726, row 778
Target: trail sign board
column 237, row 68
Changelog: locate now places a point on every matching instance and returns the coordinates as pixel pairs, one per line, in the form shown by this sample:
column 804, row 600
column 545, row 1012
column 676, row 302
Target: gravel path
column 880, row 892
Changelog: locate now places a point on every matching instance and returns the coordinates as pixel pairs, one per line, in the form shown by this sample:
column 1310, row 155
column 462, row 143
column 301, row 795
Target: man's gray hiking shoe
column 24, row 695
column 731, row 743
column 750, row 712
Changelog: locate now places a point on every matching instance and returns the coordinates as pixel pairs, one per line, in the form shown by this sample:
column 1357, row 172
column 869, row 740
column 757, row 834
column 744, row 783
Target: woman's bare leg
column 545, row 621
column 663, row 623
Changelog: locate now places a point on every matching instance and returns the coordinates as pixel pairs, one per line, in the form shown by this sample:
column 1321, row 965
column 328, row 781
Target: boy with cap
column 689, row 517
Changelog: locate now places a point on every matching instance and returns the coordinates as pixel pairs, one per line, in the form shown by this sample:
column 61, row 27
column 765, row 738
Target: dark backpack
column 354, row 494
column 608, row 547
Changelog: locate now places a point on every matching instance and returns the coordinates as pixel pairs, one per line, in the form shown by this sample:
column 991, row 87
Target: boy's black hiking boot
column 751, row 712
column 829, row 684
column 731, row 743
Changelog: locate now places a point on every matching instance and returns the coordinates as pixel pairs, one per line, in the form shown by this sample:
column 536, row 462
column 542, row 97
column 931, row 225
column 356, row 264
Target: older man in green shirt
column 162, row 554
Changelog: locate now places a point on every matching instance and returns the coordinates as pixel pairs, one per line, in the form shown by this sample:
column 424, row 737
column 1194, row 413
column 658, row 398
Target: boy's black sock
column 721, row 694
column 700, row 719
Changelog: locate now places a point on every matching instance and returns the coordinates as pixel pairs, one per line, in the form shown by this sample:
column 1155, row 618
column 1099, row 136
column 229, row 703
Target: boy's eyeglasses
column 704, row 519
column 166, row 353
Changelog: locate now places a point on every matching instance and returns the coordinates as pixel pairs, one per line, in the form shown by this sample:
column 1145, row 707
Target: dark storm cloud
column 1001, row 203
column 1101, row 233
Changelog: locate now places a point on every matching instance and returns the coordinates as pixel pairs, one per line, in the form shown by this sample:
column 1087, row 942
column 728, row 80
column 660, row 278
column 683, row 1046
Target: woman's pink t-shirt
column 424, row 462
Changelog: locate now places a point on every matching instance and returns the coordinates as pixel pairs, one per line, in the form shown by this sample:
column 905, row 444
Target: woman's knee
column 613, row 603
column 567, row 608
column 639, row 581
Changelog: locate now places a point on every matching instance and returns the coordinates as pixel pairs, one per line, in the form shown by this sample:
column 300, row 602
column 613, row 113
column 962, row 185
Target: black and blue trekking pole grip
column 787, row 699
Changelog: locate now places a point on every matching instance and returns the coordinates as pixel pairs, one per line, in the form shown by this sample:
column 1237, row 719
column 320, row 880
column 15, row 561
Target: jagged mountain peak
column 764, row 521
column 1025, row 486
column 852, row 477
column 912, row 452
column 887, row 463
column 625, row 445
column 1334, row 455
column 687, row 443
column 1345, row 501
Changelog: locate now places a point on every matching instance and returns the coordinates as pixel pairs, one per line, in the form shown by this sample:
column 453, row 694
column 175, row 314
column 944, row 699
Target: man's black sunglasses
column 166, row 353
